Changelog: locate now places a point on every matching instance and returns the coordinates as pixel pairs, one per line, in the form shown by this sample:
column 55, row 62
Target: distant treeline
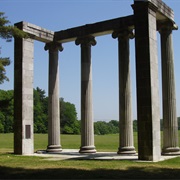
column 68, row 115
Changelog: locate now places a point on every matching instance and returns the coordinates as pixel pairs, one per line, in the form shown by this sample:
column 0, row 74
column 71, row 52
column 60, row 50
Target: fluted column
column 87, row 125
column 53, row 103
column 126, row 141
column 170, row 123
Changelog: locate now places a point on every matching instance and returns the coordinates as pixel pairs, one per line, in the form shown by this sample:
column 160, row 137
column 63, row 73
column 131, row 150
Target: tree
column 40, row 111
column 3, row 62
column 68, row 116
column 6, row 111
column 7, row 32
column 113, row 126
column 101, row 128
column 2, row 120
column 135, row 128
column 69, row 122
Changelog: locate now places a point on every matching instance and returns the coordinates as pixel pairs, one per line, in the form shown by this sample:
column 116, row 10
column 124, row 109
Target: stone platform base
column 74, row 154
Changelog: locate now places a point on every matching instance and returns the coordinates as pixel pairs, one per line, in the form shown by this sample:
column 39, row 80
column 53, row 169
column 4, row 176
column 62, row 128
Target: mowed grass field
column 102, row 142
column 31, row 167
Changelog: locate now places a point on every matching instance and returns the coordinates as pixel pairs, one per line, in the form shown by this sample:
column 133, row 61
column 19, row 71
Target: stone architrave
column 126, row 141
column 23, row 96
column 148, row 107
column 170, row 123
column 53, row 103
column 87, row 125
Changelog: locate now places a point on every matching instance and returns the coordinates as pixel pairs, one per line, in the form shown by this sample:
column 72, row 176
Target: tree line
column 69, row 124
column 68, row 114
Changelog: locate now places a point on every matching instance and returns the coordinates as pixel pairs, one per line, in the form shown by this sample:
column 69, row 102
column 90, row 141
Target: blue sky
column 58, row 15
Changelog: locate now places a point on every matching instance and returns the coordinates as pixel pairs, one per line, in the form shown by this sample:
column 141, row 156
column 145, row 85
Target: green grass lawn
column 102, row 142
column 30, row 167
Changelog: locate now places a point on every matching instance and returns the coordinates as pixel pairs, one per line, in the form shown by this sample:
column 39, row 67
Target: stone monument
column 149, row 17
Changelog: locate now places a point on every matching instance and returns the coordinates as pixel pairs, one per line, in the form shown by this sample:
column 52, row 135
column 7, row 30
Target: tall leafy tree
column 101, row 128
column 6, row 111
column 69, row 122
column 40, row 111
column 7, row 31
column 135, row 128
column 3, row 62
column 68, row 116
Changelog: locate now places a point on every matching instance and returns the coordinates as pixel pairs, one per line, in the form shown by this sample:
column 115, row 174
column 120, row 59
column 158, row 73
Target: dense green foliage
column 69, row 122
column 68, row 116
column 6, row 111
column 40, row 111
column 3, row 62
column 102, row 127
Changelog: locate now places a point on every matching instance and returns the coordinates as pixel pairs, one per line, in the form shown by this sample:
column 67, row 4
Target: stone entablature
column 164, row 11
column 96, row 29
column 36, row 32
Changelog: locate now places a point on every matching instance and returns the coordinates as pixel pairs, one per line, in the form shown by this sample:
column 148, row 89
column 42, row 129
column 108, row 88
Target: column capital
column 86, row 41
column 166, row 26
column 53, row 46
column 123, row 33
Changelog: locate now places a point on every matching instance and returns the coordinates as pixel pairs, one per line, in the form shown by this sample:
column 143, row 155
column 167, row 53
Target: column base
column 171, row 151
column 54, row 148
column 126, row 150
column 87, row 149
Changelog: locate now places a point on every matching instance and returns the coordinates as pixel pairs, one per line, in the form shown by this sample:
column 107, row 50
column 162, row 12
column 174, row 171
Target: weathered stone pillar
column 148, row 107
column 126, row 141
column 23, row 95
column 87, row 125
column 53, row 104
column 170, row 123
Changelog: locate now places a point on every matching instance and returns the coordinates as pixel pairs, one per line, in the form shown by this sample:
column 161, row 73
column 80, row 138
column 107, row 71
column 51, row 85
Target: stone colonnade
column 146, row 25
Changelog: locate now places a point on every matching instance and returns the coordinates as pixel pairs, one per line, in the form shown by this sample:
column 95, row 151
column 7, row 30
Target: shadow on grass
column 69, row 173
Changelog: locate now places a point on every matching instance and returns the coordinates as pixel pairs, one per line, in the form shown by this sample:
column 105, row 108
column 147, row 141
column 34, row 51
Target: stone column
column 87, row 125
column 126, row 141
column 170, row 123
column 53, row 104
column 23, row 95
column 148, row 107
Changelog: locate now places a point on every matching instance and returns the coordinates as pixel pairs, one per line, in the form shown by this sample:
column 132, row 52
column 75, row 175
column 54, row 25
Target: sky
column 59, row 15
